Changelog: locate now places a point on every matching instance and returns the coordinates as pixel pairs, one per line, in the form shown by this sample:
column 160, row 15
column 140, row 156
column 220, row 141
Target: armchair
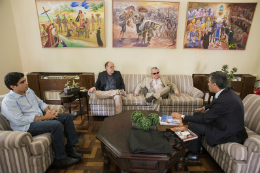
column 20, row 152
column 236, row 158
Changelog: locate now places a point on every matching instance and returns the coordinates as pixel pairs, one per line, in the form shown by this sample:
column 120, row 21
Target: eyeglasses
column 112, row 67
column 156, row 73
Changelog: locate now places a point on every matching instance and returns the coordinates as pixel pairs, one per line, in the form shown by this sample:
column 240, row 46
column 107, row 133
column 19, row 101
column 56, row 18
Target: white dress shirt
column 157, row 84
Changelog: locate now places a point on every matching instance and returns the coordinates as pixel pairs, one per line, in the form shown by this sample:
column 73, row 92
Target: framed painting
column 145, row 24
column 68, row 23
column 219, row 26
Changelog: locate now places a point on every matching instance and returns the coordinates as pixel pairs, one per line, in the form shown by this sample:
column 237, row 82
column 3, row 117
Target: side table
column 77, row 95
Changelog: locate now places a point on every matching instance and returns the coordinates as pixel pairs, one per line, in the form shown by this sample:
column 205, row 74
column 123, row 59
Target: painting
column 67, row 23
column 219, row 26
column 145, row 24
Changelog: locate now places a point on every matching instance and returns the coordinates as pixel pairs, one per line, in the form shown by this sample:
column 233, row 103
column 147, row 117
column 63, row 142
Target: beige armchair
column 22, row 153
column 234, row 157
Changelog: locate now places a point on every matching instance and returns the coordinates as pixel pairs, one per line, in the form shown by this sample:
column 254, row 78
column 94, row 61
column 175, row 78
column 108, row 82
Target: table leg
column 69, row 107
column 87, row 107
column 80, row 108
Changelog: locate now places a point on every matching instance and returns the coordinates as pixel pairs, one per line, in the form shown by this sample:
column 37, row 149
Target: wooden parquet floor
column 92, row 161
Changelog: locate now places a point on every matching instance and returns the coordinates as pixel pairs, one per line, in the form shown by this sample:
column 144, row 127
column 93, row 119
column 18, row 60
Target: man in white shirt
column 158, row 88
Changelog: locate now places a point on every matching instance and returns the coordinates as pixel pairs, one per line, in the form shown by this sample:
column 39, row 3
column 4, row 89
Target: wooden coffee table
column 114, row 137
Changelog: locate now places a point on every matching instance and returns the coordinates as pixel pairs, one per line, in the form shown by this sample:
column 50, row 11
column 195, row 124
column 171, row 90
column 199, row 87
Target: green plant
column 136, row 115
column 143, row 123
column 68, row 82
column 230, row 75
column 154, row 119
column 74, row 84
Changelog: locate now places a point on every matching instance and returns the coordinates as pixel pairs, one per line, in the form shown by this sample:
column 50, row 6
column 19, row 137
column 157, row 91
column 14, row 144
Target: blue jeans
column 55, row 127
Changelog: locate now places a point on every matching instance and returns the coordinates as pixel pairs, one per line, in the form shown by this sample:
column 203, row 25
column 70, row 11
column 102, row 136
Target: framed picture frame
column 71, row 23
column 145, row 24
column 218, row 25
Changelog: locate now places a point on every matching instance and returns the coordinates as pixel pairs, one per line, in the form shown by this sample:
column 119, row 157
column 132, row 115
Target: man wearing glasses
column 158, row 88
column 110, row 84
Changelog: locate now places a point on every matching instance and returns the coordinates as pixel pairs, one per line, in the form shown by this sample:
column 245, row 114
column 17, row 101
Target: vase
column 152, row 128
column 71, row 91
column 67, row 91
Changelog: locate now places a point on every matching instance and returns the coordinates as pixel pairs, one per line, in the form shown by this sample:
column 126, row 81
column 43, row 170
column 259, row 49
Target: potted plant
column 139, row 121
column 230, row 75
column 73, row 88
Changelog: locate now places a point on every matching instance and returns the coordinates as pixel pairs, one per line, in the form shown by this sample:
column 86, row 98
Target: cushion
column 131, row 100
column 96, row 101
column 185, row 100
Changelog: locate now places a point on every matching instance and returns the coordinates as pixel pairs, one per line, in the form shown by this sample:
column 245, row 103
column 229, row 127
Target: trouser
column 162, row 93
column 55, row 127
column 115, row 94
column 199, row 129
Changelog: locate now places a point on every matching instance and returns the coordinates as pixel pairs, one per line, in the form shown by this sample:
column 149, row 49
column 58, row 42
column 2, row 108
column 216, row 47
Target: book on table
column 168, row 120
column 184, row 133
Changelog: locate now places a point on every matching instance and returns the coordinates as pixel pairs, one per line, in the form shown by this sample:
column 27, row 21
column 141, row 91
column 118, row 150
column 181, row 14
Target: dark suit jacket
column 102, row 81
column 224, row 120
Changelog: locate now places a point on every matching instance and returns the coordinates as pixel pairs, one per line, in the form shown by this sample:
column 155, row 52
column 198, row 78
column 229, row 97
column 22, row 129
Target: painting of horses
column 219, row 26
column 68, row 23
column 145, row 24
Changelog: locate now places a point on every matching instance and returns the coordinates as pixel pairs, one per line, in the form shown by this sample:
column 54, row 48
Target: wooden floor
column 92, row 161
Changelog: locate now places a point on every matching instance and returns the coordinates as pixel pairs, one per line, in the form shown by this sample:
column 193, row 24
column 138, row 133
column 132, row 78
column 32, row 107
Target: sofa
column 237, row 158
column 191, row 97
column 20, row 152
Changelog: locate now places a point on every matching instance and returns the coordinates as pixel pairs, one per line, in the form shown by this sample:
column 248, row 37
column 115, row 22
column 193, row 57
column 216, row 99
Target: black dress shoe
column 68, row 161
column 191, row 157
column 149, row 100
column 201, row 150
column 72, row 152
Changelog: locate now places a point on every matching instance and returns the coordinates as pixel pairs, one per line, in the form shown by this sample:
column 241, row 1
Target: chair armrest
column 253, row 149
column 194, row 92
column 14, row 139
column 58, row 108
column 235, row 150
column 253, row 144
column 91, row 94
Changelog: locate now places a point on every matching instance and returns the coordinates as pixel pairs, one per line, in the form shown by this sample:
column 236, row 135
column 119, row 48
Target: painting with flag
column 71, row 23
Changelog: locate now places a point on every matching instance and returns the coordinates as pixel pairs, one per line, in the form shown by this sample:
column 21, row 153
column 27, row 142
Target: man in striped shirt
column 24, row 110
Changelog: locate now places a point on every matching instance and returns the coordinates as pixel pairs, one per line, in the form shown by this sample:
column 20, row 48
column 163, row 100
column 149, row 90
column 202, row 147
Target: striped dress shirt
column 20, row 110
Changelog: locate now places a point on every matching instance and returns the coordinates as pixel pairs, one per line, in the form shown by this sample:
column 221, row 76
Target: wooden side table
column 77, row 95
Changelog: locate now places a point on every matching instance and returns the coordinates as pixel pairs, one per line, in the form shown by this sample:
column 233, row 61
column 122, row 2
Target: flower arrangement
column 230, row 75
column 74, row 84
column 143, row 123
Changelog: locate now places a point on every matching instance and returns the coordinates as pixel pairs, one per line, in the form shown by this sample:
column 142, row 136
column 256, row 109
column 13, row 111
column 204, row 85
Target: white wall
column 128, row 60
column 9, row 49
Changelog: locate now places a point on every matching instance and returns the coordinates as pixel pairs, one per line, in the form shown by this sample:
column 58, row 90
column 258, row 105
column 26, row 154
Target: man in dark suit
column 110, row 84
column 220, row 122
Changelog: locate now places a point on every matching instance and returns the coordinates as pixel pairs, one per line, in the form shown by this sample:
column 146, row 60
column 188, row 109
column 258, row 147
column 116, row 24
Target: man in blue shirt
column 24, row 110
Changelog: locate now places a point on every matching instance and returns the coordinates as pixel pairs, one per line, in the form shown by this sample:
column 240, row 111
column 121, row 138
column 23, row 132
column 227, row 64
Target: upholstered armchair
column 22, row 153
column 237, row 158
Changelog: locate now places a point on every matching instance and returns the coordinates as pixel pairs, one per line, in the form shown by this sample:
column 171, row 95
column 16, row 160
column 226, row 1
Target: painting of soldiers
column 67, row 23
column 145, row 24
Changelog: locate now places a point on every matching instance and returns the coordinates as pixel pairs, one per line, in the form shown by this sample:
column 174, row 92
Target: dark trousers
column 199, row 130
column 55, row 127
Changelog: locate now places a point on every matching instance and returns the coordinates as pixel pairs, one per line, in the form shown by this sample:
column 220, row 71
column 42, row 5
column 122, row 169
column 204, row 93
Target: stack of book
column 168, row 120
